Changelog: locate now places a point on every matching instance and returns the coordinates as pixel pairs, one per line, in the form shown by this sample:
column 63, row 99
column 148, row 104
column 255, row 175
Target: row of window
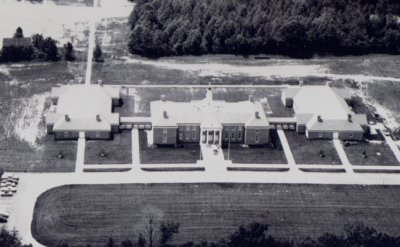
column 187, row 127
column 66, row 134
column 233, row 127
column 187, row 136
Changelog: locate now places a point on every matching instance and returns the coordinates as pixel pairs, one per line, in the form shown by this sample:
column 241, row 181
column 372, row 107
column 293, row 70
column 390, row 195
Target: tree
column 19, row 33
column 167, row 231
column 98, row 54
column 62, row 244
column 69, row 52
column 141, row 242
column 50, row 50
column 11, row 238
column 37, row 41
column 127, row 243
column 111, row 243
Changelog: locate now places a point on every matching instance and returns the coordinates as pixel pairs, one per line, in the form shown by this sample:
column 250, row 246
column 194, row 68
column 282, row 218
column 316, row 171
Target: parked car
column 3, row 219
column 386, row 132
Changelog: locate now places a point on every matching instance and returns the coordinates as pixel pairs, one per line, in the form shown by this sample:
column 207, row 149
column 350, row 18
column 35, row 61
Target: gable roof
column 18, row 42
column 83, row 104
column 197, row 111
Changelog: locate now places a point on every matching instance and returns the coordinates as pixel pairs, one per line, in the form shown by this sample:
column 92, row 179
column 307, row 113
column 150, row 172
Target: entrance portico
column 211, row 132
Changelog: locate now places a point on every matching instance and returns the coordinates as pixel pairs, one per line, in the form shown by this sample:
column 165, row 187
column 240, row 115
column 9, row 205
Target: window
column 187, row 127
column 194, row 135
column 233, row 136
column 165, row 131
column 187, row 136
column 180, row 136
column 180, row 127
column 320, row 134
column 257, row 131
column 226, row 136
column 239, row 135
column 194, row 127
column 97, row 134
column 66, row 134
column 226, row 127
column 350, row 134
column 164, row 139
column 257, row 139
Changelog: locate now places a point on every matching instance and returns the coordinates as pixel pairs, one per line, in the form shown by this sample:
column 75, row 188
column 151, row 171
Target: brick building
column 209, row 121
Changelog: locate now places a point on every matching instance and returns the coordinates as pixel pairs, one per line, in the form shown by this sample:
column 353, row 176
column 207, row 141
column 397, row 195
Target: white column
column 220, row 137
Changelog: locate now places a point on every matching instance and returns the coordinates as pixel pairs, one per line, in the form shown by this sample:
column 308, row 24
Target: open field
column 74, row 2
column 386, row 157
column 82, row 214
column 307, row 151
column 255, row 155
column 117, row 151
column 167, row 155
column 24, row 92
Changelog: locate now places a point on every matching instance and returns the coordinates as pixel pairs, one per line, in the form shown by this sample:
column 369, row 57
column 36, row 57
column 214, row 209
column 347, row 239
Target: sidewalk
column 80, row 153
column 287, row 150
column 342, row 155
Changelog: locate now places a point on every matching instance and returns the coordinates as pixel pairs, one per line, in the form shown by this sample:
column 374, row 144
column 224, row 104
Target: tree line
column 43, row 49
column 288, row 27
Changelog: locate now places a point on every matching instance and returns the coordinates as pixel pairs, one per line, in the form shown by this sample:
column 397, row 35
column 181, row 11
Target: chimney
column 257, row 115
column 163, row 97
column 98, row 119
column 251, row 98
column 349, row 118
column 100, row 82
column 67, row 119
column 301, row 83
column 319, row 119
column 165, row 114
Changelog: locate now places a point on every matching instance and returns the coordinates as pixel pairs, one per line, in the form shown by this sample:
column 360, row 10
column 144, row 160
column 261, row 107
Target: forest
column 298, row 28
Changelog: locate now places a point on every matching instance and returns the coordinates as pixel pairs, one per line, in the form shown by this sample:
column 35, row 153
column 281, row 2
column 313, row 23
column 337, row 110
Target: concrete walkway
column 342, row 155
column 287, row 150
column 135, row 148
column 80, row 154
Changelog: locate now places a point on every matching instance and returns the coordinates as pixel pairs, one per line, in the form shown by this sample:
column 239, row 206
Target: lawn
column 89, row 214
column 167, row 155
column 117, row 151
column 387, row 95
column 355, row 156
column 307, row 151
column 18, row 156
column 255, row 155
column 24, row 100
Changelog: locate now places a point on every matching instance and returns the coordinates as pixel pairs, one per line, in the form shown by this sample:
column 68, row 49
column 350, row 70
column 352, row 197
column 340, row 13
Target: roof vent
column 319, row 119
column 350, row 118
column 251, row 98
column 163, row 97
column 257, row 115
column 165, row 114
column 67, row 119
column 301, row 83
column 98, row 119
column 100, row 82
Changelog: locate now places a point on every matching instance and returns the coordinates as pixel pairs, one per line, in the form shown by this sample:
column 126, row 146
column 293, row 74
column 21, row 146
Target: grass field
column 117, row 151
column 83, row 214
column 387, row 95
column 386, row 157
column 307, row 152
column 74, row 2
column 24, row 92
column 167, row 155
column 255, row 155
